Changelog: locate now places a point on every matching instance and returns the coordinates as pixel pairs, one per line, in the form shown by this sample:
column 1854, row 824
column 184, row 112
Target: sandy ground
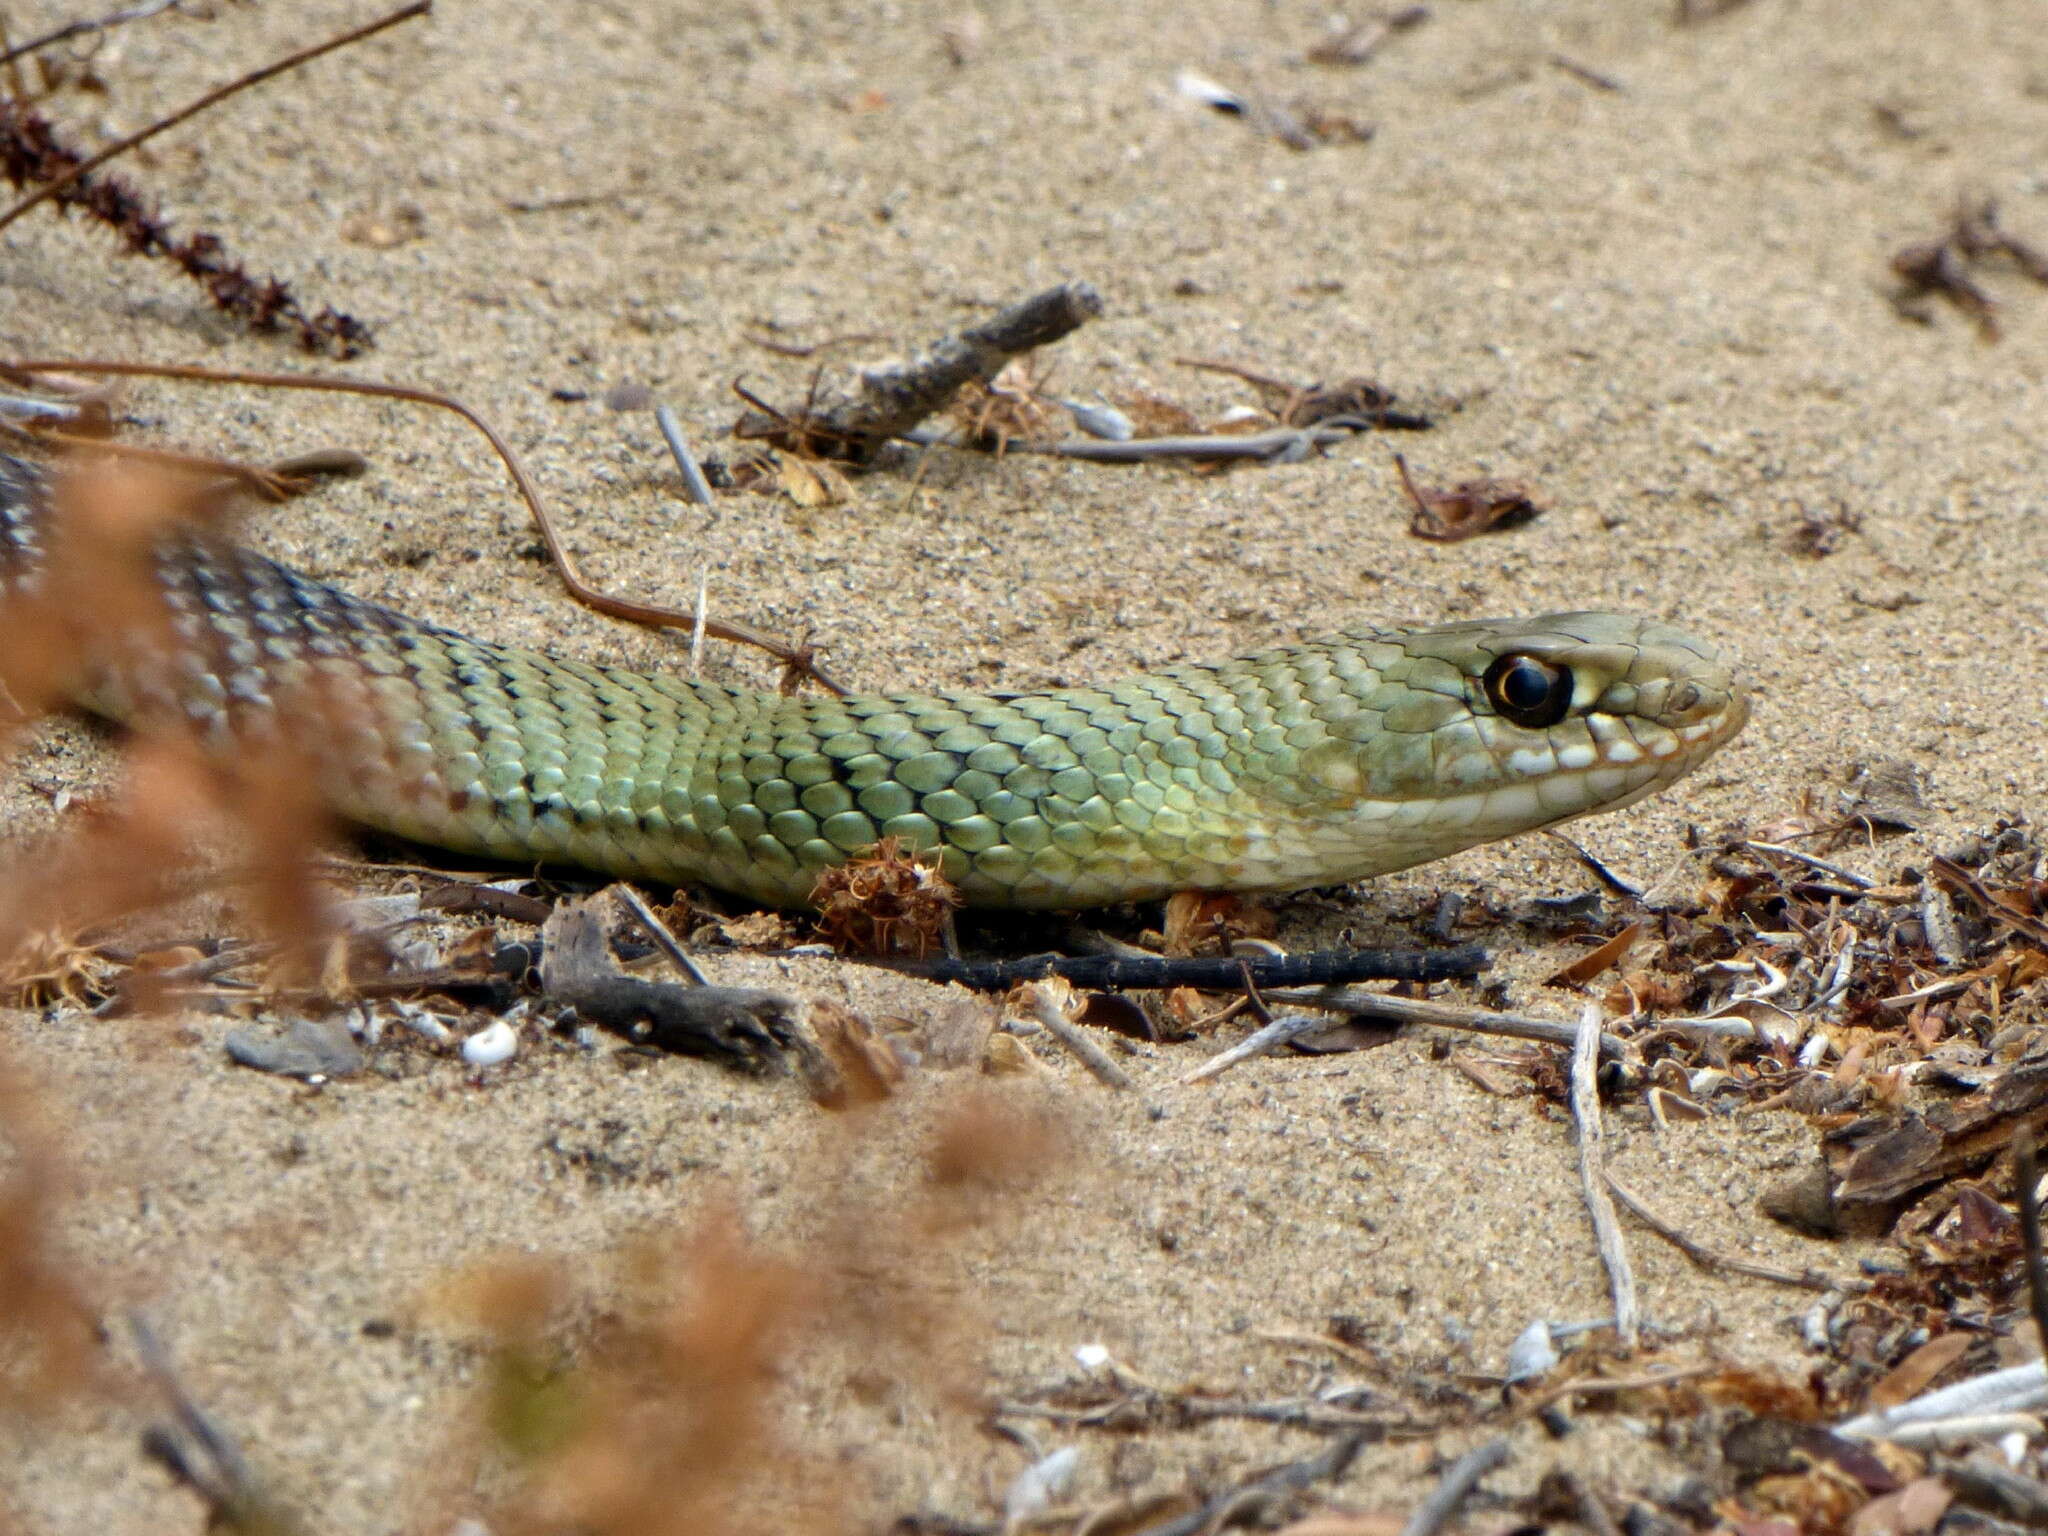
column 1665, row 307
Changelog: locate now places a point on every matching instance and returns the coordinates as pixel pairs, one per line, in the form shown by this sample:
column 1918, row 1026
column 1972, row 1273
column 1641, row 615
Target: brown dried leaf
column 1593, row 962
column 1467, row 509
column 1153, row 415
column 1763, row 1392
column 1914, row 1509
column 756, row 930
column 1348, row 397
column 1917, row 1372
column 869, row 1069
column 811, row 483
column 1201, row 922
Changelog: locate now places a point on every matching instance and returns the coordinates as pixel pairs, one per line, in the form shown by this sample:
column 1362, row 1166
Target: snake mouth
column 1619, row 778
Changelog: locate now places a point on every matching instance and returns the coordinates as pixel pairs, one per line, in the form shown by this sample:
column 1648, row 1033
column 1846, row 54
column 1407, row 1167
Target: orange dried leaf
column 1592, row 963
column 1913, row 1510
column 1917, row 1372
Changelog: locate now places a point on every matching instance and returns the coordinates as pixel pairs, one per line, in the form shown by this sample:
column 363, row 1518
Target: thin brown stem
column 222, row 93
column 72, row 29
column 78, row 172
column 614, row 607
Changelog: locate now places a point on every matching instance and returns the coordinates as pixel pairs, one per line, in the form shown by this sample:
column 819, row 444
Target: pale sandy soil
column 1666, row 308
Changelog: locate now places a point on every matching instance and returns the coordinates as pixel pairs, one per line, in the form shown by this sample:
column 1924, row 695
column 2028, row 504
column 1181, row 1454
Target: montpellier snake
column 1310, row 764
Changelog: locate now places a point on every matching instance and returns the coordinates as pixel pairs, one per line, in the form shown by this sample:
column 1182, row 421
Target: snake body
column 1300, row 765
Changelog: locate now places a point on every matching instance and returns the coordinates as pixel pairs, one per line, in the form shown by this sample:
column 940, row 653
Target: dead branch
column 1708, row 1258
column 1464, row 1474
column 1260, row 1042
column 1045, row 1004
column 1264, row 1495
column 71, row 29
column 889, row 400
column 745, row 1026
column 1283, row 445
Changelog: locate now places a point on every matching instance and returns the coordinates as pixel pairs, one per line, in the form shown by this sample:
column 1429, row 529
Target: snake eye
column 1528, row 691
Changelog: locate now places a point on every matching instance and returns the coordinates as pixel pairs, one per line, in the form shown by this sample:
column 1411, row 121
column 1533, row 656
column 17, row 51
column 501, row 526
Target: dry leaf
column 1592, row 963
column 869, row 1069
column 1467, row 509
column 1916, row 1373
column 809, row 482
column 1915, row 1508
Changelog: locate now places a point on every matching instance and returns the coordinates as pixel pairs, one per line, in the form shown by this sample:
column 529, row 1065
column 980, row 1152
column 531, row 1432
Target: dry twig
column 84, row 168
column 743, row 1025
column 84, row 28
column 890, row 400
column 1707, row 1258
column 1260, row 1042
column 2028, row 1177
column 1621, row 1278
column 1047, row 1007
column 1360, row 1003
column 33, row 155
column 1467, row 509
column 1457, row 1483
column 1212, row 973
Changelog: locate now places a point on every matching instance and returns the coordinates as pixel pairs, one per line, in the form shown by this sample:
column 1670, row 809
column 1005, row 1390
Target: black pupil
column 1529, row 691
column 1525, row 686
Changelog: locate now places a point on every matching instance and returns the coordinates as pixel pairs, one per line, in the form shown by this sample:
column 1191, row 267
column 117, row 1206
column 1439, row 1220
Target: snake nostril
column 1685, row 698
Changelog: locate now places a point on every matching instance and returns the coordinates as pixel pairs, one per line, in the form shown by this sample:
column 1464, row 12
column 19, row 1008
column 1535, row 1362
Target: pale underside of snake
column 1312, row 764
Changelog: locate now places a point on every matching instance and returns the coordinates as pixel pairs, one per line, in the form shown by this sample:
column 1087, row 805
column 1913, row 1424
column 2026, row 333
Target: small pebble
column 491, row 1045
column 309, row 1048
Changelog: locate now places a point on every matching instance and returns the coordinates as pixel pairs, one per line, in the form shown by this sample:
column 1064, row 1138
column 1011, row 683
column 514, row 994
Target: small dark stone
column 1805, row 1203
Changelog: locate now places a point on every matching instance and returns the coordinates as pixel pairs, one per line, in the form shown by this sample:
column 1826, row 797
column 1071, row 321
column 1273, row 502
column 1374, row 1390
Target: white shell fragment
column 490, row 1045
column 423, row 1023
column 1531, row 1354
column 1039, row 1485
column 1103, row 421
column 1092, row 1357
column 1198, row 88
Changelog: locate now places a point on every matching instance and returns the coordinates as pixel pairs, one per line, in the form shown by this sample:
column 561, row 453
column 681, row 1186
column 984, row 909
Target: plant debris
column 35, row 159
column 888, row 400
column 1467, row 509
column 1946, row 267
column 1350, row 44
column 890, row 902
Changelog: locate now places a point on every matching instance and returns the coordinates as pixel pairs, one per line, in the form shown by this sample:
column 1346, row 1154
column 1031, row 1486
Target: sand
column 1664, row 307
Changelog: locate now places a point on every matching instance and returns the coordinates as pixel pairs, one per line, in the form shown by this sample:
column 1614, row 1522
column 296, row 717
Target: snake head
column 1467, row 733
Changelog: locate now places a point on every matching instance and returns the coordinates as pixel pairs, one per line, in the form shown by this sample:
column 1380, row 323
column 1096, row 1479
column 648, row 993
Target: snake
column 1300, row 765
